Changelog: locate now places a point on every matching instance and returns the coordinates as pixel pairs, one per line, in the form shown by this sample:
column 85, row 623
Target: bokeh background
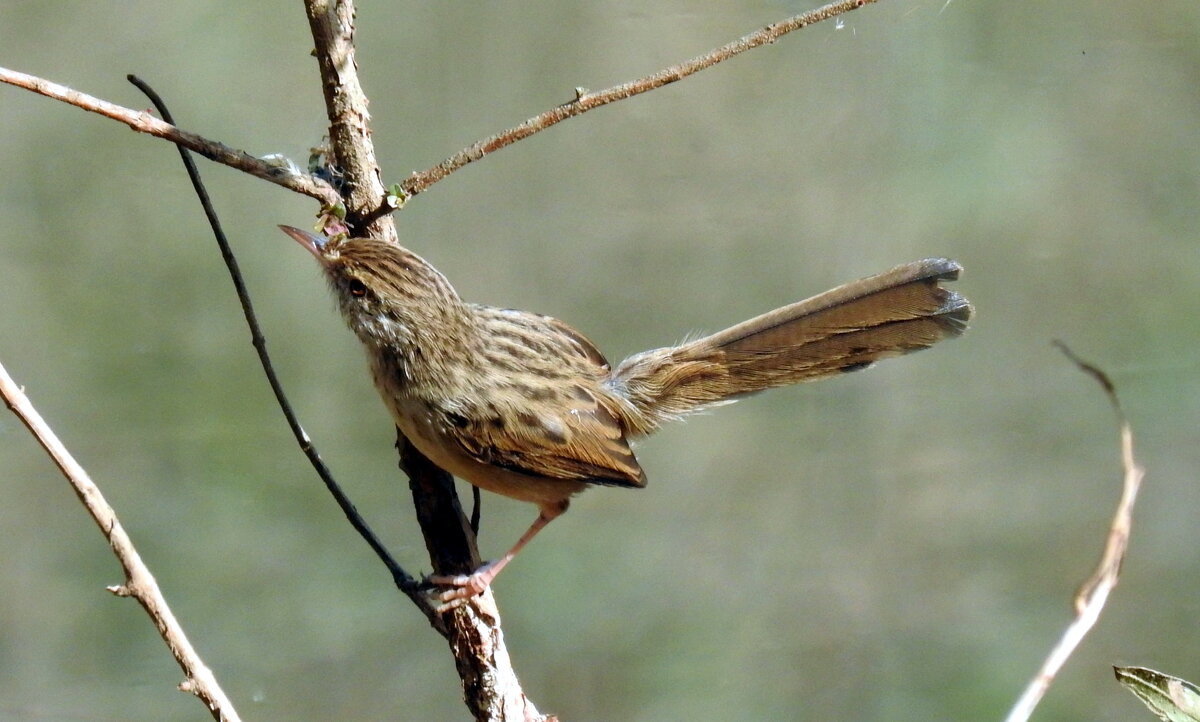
column 900, row 544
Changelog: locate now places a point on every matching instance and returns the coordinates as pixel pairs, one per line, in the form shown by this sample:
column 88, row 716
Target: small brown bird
column 525, row 406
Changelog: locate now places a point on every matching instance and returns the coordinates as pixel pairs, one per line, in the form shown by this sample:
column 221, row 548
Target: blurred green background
column 895, row 545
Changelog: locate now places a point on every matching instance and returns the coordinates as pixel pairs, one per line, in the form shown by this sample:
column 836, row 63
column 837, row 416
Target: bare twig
column 585, row 101
column 144, row 122
column 403, row 580
column 1093, row 593
column 139, row 582
column 332, row 24
column 473, row 629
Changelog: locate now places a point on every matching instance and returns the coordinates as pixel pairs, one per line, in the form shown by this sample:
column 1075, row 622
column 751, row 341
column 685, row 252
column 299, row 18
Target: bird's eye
column 357, row 288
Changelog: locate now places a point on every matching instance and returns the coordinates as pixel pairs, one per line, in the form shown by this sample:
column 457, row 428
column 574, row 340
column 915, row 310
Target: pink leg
column 465, row 586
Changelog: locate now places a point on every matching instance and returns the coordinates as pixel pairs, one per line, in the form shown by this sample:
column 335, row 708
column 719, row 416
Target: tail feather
column 844, row 329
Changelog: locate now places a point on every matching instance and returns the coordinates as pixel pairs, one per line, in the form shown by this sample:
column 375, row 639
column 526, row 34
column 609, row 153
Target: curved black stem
column 403, row 580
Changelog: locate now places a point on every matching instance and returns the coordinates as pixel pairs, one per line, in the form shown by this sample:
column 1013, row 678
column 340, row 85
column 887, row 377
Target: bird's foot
column 456, row 590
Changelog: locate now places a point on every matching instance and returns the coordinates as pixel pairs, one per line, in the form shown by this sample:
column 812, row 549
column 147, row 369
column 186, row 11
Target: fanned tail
column 844, row 329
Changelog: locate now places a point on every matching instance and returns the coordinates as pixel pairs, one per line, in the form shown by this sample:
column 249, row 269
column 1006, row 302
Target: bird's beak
column 312, row 242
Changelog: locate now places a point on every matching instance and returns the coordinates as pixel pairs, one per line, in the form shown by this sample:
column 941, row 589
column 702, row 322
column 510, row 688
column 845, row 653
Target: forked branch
column 473, row 630
column 332, row 27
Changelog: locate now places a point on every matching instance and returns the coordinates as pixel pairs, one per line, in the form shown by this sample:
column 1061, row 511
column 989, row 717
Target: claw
column 461, row 587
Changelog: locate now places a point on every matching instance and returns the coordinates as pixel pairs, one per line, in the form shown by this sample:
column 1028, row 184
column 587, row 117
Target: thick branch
column 139, row 582
column 476, row 636
column 332, row 25
column 585, row 101
column 144, row 122
column 449, row 537
column 490, row 685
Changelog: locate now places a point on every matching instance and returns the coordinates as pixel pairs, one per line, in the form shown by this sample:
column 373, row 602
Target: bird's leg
column 464, row 586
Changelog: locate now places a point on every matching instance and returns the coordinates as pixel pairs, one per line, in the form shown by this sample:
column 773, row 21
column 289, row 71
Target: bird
column 525, row 406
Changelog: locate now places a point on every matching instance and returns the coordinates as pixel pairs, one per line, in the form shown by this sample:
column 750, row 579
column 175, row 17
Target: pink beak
column 311, row 241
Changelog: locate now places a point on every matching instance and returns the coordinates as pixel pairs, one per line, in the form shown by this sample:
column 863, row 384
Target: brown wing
column 573, row 436
column 542, row 412
column 584, row 344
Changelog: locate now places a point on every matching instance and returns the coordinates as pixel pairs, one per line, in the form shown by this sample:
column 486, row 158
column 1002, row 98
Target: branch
column 332, row 25
column 139, row 582
column 473, row 629
column 1093, row 593
column 144, row 122
column 490, row 685
column 585, row 101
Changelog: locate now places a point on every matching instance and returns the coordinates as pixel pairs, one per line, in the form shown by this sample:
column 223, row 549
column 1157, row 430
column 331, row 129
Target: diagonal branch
column 585, row 101
column 332, row 26
column 139, row 582
column 143, row 122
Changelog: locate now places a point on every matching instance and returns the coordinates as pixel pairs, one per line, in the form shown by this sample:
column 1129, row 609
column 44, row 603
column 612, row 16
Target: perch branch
column 139, row 582
column 143, row 122
column 473, row 630
column 491, row 689
column 1093, row 593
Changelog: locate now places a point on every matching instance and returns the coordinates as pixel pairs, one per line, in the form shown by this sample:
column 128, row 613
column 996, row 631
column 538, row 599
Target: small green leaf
column 1171, row 698
column 396, row 197
column 336, row 210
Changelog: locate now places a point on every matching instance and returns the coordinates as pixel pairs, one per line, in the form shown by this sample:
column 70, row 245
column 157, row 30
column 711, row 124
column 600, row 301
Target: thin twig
column 475, row 510
column 585, row 101
column 473, row 629
column 332, row 26
column 403, row 580
column 144, row 122
column 139, row 582
column 1093, row 593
